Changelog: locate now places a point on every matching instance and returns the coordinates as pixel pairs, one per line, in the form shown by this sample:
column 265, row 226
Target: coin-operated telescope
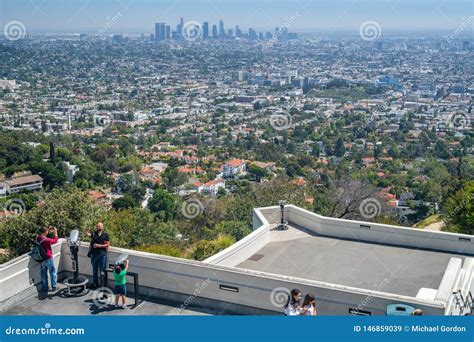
column 76, row 285
column 282, row 225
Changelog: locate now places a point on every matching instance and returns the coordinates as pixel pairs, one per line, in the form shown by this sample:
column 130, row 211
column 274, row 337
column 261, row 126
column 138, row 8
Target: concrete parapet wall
column 174, row 279
column 381, row 233
column 22, row 275
column 243, row 249
column 238, row 290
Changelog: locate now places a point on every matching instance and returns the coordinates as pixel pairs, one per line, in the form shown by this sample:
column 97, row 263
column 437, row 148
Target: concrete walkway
column 437, row 226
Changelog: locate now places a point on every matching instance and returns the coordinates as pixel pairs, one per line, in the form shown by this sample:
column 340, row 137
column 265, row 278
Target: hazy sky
column 300, row 15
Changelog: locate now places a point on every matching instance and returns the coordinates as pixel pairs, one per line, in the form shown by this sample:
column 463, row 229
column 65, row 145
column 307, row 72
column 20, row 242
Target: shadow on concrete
column 43, row 295
column 96, row 309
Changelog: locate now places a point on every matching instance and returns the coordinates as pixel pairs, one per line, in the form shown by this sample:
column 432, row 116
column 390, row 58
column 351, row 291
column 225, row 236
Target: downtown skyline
column 53, row 16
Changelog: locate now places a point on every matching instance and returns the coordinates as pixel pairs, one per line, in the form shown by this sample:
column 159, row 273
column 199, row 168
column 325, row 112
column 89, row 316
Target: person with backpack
column 47, row 264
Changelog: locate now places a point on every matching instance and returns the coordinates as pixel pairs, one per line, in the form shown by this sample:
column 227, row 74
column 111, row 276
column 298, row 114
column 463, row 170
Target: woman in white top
column 293, row 307
column 309, row 306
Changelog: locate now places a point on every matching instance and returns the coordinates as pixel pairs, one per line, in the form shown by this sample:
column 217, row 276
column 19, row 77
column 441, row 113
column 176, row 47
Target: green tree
column 65, row 209
column 53, row 177
column 124, row 202
column 459, row 210
column 257, row 172
column 163, row 204
column 237, row 229
column 129, row 228
column 339, row 148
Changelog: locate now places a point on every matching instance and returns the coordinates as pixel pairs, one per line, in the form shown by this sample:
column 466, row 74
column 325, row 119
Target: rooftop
column 395, row 269
column 347, row 265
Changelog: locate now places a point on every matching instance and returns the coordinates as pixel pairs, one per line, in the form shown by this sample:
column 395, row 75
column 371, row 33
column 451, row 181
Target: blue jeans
column 48, row 265
column 99, row 264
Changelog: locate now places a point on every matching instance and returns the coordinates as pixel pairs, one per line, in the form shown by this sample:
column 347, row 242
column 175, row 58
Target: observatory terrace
column 351, row 267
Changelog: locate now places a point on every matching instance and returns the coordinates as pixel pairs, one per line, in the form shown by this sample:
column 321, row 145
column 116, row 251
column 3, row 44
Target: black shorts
column 121, row 290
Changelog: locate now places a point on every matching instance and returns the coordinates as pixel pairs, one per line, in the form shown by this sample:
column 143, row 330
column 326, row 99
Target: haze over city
column 138, row 16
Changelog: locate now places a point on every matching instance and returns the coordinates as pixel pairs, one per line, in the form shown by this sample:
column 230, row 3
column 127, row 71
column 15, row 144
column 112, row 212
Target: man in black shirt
column 98, row 253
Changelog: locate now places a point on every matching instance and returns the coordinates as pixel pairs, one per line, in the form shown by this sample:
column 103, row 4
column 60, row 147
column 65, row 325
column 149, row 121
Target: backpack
column 37, row 252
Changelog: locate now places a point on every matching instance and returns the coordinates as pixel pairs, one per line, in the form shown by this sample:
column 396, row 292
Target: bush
column 129, row 228
column 205, row 248
column 238, row 230
column 164, row 249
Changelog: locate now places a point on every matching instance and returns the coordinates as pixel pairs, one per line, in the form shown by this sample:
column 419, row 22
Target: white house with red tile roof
column 234, row 168
column 197, row 186
column 212, row 187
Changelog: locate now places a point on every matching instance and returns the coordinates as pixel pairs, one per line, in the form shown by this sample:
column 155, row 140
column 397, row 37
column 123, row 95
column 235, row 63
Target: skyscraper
column 179, row 28
column 221, row 29
column 157, row 31
column 168, row 32
column 252, row 34
column 238, row 32
column 162, row 31
column 214, row 31
column 205, row 30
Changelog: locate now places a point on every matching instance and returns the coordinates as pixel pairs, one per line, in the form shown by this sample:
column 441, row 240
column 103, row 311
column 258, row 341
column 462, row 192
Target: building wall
column 174, row 279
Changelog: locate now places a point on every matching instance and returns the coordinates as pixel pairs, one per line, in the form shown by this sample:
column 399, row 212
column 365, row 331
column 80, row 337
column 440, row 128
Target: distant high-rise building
column 167, row 32
column 205, row 30
column 242, row 76
column 221, row 29
column 465, row 45
column 214, row 31
column 238, row 32
column 230, row 33
column 179, row 29
column 157, row 31
column 162, row 31
column 252, row 34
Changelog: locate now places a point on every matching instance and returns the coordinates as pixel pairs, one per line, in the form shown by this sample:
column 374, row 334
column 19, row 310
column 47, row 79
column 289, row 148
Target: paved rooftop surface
column 398, row 270
column 56, row 304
